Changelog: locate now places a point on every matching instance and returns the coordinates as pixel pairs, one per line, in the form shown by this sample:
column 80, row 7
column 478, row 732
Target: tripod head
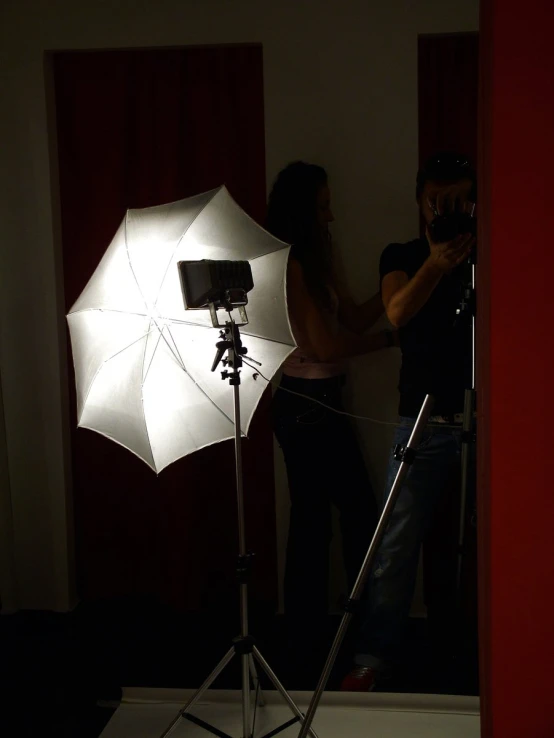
column 230, row 342
column 467, row 305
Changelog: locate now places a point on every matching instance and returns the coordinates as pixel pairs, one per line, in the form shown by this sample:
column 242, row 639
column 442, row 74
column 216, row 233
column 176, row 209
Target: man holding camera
column 421, row 288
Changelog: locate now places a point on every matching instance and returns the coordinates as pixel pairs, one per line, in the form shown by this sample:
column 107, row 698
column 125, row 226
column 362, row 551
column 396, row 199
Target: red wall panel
column 516, row 311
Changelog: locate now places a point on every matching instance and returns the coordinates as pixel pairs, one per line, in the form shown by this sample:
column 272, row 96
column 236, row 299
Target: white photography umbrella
column 142, row 363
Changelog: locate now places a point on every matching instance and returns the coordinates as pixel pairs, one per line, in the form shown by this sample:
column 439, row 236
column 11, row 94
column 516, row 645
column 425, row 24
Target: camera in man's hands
column 454, row 191
column 447, row 226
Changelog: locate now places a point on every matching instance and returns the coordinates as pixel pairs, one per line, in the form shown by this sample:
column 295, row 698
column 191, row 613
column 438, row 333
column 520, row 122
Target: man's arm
column 403, row 298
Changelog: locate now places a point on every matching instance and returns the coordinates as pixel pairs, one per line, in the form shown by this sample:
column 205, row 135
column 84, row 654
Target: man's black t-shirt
column 436, row 348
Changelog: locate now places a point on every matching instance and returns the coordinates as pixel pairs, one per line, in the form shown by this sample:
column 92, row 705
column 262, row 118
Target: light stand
column 244, row 645
column 405, row 454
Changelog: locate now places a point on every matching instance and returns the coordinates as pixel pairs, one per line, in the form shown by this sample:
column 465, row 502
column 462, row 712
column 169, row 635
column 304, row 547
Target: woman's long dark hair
column 292, row 217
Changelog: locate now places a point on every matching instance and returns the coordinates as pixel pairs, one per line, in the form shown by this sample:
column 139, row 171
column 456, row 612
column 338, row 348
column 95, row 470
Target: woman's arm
column 323, row 342
column 357, row 318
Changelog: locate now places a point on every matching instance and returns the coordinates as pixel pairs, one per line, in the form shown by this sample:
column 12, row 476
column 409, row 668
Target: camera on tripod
column 455, row 217
column 447, row 226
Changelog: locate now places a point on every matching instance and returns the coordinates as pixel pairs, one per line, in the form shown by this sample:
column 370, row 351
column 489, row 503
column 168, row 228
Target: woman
column 324, row 463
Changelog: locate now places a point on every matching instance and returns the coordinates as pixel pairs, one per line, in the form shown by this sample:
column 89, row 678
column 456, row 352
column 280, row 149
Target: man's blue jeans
column 387, row 600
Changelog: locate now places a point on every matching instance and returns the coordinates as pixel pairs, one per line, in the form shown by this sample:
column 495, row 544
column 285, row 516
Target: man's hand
column 447, row 256
column 451, row 198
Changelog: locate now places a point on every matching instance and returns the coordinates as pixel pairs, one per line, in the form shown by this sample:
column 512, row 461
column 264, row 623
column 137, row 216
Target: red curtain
column 516, row 314
column 448, row 90
column 139, row 128
column 448, row 83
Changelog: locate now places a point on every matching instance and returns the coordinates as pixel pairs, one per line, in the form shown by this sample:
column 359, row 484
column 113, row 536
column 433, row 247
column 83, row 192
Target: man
column 421, row 291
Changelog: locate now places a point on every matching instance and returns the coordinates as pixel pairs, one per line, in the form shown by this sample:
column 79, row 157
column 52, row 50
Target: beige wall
column 8, row 590
column 340, row 89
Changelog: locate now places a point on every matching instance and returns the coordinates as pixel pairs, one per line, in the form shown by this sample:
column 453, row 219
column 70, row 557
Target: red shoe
column 360, row 679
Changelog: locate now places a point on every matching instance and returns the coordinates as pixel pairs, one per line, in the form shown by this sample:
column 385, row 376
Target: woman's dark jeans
column 325, row 467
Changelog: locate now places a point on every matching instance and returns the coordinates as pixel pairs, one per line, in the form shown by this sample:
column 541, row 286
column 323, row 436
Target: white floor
column 147, row 713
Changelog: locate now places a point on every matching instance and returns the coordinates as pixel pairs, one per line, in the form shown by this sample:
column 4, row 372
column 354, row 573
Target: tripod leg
column 467, row 428
column 256, row 681
column 198, row 694
column 277, row 684
column 408, row 456
column 246, row 721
